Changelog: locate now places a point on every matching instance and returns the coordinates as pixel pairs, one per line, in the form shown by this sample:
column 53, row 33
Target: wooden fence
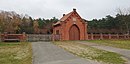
column 107, row 36
column 29, row 37
column 12, row 37
column 41, row 37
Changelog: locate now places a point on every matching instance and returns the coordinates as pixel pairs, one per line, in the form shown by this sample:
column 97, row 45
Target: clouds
column 88, row 9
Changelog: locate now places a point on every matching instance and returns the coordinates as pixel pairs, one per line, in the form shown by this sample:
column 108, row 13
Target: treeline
column 109, row 24
column 11, row 22
column 44, row 26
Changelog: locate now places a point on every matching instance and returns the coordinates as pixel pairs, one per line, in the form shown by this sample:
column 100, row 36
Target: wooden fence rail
column 50, row 37
column 29, row 37
column 108, row 36
column 12, row 37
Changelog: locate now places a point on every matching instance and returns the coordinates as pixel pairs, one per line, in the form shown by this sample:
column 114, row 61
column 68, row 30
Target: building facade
column 71, row 27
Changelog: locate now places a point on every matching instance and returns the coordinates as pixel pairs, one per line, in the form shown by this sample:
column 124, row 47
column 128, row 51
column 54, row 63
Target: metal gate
column 38, row 37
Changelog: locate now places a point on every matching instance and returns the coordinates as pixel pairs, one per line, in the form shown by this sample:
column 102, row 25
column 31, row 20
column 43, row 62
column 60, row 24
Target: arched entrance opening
column 74, row 33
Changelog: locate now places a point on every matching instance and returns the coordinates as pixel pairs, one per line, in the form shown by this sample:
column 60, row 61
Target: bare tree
column 125, row 19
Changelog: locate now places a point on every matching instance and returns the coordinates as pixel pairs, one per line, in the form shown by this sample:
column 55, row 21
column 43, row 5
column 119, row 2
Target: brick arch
column 74, row 32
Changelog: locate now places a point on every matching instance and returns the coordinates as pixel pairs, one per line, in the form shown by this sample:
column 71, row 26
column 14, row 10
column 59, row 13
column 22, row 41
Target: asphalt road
column 48, row 53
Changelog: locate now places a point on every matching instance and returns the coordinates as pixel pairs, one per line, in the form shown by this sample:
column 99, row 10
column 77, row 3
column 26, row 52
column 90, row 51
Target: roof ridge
column 64, row 18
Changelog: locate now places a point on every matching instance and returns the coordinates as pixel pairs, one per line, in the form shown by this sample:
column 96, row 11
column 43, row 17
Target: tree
column 41, row 23
column 27, row 25
column 36, row 26
column 124, row 19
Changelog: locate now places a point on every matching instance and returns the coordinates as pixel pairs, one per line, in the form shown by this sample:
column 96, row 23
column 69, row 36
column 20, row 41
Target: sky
column 88, row 9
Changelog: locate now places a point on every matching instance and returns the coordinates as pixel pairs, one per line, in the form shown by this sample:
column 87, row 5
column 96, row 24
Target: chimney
column 63, row 14
column 74, row 9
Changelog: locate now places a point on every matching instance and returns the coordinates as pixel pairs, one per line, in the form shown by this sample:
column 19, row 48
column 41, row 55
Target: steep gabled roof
column 66, row 16
column 63, row 18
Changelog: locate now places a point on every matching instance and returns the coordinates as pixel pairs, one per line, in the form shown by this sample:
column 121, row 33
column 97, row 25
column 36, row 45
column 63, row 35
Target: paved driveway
column 47, row 53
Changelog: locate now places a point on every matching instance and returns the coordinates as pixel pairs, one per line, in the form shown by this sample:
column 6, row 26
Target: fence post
column 24, row 37
column 92, row 36
column 117, row 35
column 0, row 36
column 53, row 37
column 101, row 36
column 124, row 36
column 86, row 38
column 60, row 37
column 109, row 36
column 128, row 36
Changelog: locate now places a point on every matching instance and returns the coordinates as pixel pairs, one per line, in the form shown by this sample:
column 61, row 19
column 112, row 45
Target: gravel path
column 124, row 52
column 47, row 53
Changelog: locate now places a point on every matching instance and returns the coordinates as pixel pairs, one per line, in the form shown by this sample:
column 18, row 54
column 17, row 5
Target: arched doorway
column 74, row 33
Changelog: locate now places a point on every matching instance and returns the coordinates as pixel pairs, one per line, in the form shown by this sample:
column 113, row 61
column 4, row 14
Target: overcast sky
column 88, row 9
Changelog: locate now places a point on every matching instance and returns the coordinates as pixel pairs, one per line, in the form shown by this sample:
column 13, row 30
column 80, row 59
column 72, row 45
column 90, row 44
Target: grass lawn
column 15, row 53
column 125, row 44
column 91, row 53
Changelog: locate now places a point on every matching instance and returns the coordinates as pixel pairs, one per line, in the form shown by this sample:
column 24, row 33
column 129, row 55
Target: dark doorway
column 74, row 33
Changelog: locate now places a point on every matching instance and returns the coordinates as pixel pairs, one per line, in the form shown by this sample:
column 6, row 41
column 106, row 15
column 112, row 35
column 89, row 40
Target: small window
column 57, row 32
column 74, row 19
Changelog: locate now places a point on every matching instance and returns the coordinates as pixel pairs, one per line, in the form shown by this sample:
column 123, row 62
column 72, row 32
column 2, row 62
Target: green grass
column 9, row 43
column 15, row 53
column 124, row 44
column 91, row 53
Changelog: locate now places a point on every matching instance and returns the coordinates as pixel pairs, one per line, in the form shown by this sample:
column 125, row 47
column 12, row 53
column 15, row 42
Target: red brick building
column 71, row 27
